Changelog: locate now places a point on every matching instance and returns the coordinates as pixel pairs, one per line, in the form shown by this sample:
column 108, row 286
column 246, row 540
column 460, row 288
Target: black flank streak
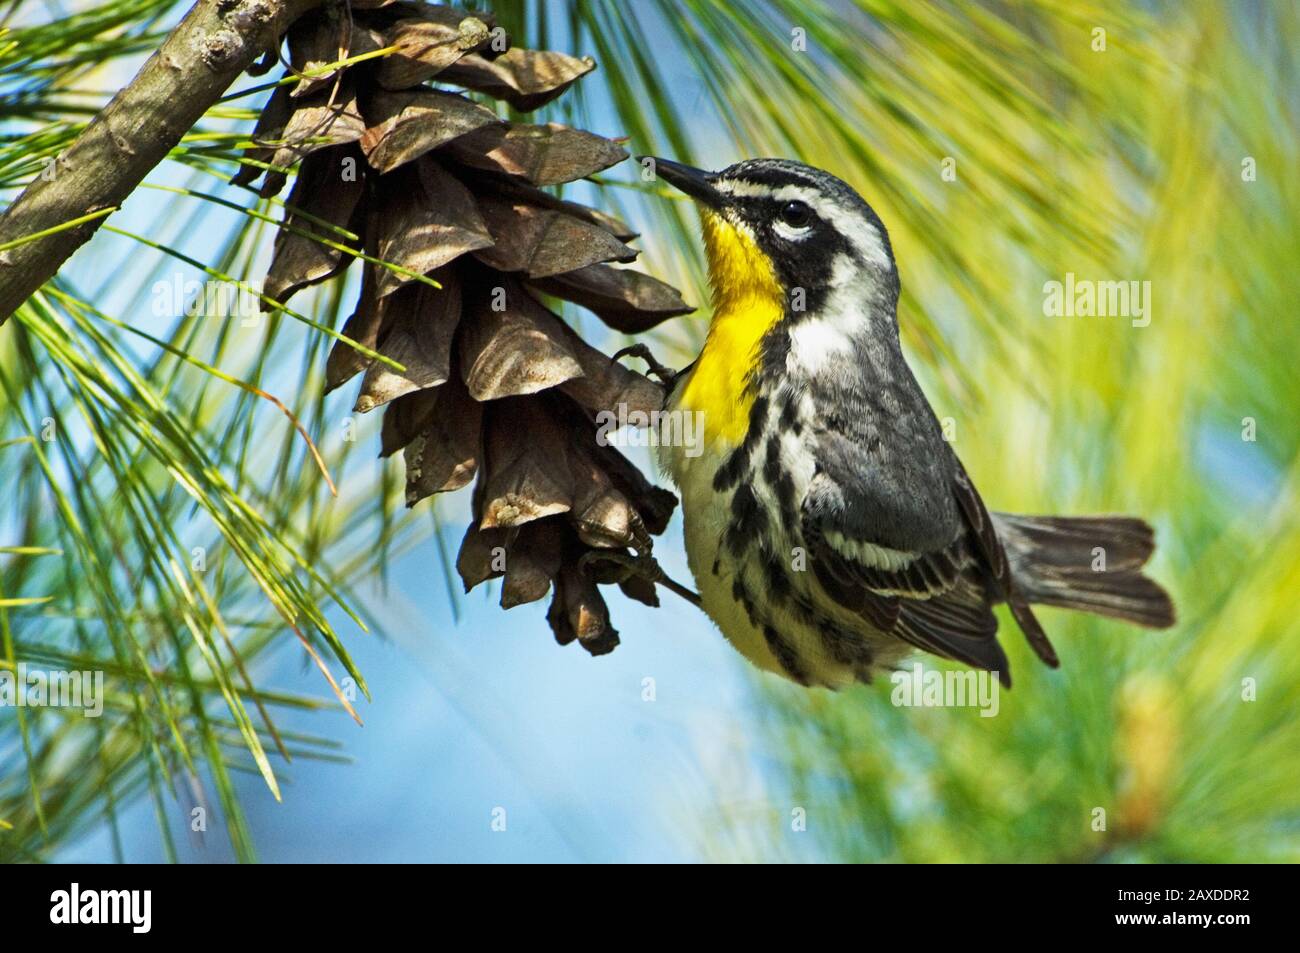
column 757, row 418
column 785, row 655
column 785, row 497
column 773, row 350
column 845, row 647
column 728, row 474
column 748, row 521
column 790, row 416
column 779, row 479
column 778, row 583
column 733, row 469
column 772, row 462
column 741, row 595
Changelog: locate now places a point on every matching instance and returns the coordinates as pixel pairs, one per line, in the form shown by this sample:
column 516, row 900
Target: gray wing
column 897, row 532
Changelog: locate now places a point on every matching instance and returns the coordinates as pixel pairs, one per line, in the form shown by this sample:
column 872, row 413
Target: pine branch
column 210, row 47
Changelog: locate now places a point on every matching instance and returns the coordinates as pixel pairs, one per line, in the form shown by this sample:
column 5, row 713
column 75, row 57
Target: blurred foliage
column 1132, row 163
column 1122, row 164
column 175, row 515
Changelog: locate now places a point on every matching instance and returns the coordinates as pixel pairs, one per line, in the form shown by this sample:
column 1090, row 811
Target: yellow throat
column 747, row 302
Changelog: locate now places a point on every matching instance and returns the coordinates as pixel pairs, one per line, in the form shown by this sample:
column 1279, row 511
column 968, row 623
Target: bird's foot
column 628, row 565
column 666, row 375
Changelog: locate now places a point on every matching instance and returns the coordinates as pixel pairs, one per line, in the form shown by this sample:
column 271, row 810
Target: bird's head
column 778, row 228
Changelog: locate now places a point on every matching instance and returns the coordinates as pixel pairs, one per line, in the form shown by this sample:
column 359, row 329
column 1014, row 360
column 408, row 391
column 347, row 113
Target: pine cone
column 496, row 386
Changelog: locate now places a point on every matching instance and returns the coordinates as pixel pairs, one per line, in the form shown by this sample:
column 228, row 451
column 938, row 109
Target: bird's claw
column 666, row 375
column 641, row 564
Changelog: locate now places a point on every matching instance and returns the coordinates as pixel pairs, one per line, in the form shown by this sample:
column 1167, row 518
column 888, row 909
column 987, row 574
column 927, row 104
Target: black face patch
column 805, row 262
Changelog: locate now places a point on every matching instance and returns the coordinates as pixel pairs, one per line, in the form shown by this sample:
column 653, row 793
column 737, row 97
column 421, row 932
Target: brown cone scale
column 448, row 204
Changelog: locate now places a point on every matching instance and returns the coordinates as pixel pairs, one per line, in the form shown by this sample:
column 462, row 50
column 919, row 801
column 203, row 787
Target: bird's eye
column 796, row 214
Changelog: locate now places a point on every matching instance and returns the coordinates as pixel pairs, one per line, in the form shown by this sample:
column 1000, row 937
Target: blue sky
column 491, row 713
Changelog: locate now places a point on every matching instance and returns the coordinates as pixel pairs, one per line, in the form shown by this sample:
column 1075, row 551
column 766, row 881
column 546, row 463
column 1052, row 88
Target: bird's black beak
column 696, row 183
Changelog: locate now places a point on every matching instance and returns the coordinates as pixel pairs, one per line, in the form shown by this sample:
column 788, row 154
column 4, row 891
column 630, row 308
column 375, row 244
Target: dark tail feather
column 1090, row 563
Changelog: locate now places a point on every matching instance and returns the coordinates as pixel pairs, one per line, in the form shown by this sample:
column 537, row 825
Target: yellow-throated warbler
column 830, row 527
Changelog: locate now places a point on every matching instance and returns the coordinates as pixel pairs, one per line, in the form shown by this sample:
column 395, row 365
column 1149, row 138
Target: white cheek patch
column 864, row 236
column 818, row 344
column 814, row 344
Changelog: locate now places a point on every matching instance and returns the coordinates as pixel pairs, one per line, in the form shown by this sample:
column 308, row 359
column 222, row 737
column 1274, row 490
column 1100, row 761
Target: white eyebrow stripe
column 860, row 232
column 744, row 189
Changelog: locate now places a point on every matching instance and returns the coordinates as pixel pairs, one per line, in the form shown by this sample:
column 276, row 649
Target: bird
column 831, row 529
